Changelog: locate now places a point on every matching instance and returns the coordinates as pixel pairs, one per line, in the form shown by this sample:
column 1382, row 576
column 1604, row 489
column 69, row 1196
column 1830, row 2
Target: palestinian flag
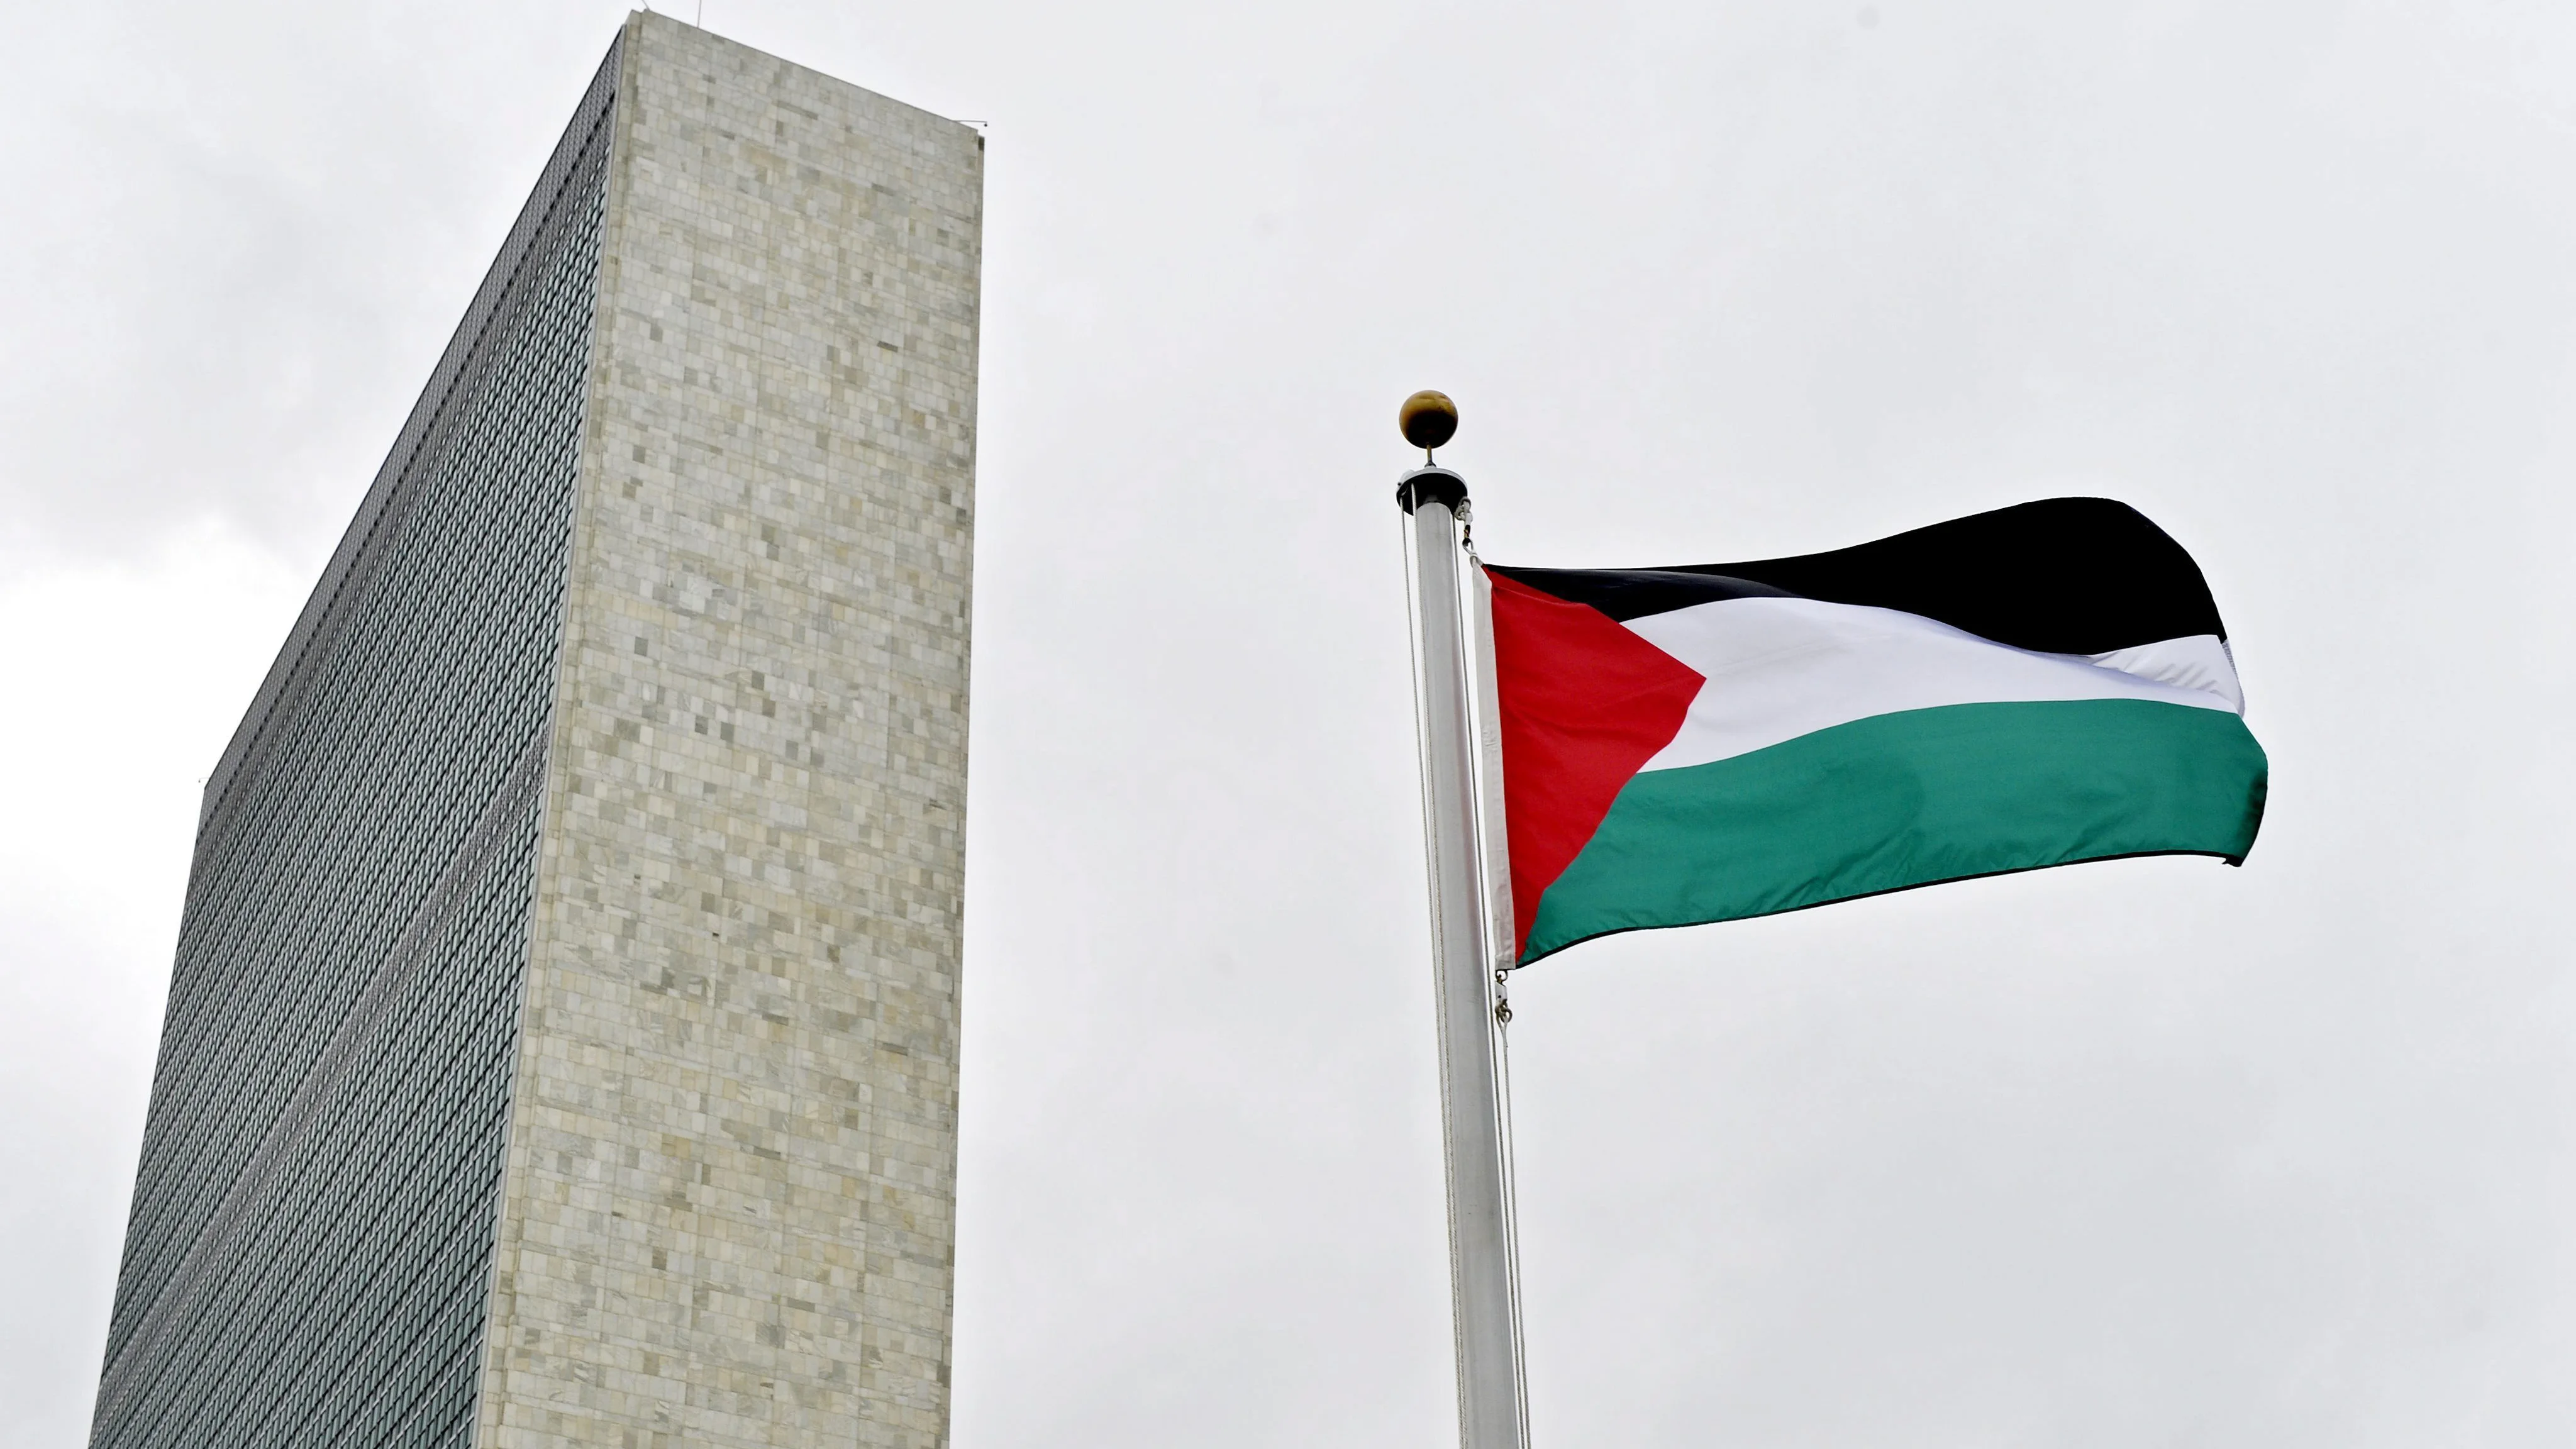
column 2035, row 686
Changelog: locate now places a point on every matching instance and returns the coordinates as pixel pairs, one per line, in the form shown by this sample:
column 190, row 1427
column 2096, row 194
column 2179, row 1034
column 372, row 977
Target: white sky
column 2149, row 1153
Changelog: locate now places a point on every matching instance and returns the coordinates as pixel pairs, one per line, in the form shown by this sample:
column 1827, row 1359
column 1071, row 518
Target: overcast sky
column 2143, row 1153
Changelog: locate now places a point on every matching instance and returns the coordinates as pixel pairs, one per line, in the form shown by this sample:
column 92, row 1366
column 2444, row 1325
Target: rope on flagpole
column 1511, row 1180
column 1502, row 1027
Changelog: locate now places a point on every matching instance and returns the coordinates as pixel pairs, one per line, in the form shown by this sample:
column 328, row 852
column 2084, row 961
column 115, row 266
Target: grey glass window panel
column 384, row 775
column 352, row 845
column 357, row 1293
column 309, row 1250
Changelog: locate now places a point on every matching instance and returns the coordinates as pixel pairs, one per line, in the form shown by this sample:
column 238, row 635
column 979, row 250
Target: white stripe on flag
column 1781, row 668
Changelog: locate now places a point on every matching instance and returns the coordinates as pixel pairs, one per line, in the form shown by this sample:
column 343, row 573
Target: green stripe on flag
column 1907, row 799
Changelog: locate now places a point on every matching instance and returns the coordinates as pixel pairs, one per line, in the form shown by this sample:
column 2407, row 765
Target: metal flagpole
column 1480, row 1248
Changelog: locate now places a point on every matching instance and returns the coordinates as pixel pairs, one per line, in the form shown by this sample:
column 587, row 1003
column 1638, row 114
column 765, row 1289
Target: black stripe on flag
column 2062, row 575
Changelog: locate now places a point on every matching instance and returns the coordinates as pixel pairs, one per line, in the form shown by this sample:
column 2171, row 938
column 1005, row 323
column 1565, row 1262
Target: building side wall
column 310, row 1244
column 728, row 1215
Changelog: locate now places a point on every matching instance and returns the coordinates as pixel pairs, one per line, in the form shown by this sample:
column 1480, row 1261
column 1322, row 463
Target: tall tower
column 562, row 1038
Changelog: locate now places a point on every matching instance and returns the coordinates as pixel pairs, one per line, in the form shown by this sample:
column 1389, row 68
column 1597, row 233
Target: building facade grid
column 314, row 1209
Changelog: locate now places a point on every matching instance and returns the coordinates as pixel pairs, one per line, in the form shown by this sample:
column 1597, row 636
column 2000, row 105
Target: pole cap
column 1434, row 484
column 1428, row 419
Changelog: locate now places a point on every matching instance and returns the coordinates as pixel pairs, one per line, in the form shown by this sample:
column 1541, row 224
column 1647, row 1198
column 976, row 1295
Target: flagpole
column 1480, row 1257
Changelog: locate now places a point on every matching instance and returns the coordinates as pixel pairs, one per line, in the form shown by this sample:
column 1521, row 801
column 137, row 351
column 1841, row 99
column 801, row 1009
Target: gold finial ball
column 1428, row 419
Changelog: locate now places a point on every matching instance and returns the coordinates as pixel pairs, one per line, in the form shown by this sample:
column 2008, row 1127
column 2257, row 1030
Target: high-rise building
column 562, row 1039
